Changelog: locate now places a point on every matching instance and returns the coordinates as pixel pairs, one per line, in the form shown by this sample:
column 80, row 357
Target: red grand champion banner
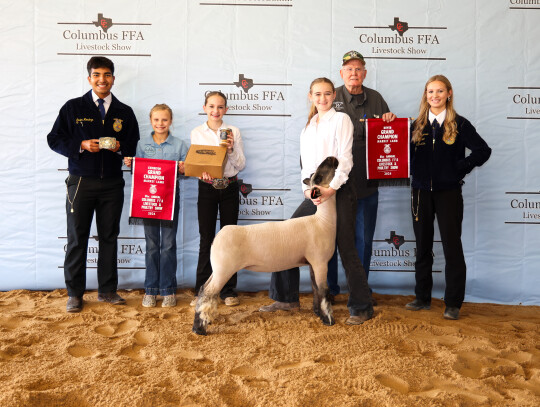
column 153, row 188
column 387, row 149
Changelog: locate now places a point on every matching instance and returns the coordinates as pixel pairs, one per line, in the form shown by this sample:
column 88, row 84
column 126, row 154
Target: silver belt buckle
column 220, row 183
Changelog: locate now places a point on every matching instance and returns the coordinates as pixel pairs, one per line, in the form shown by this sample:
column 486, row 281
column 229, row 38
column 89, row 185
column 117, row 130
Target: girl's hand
column 230, row 147
column 127, row 161
column 326, row 193
column 181, row 167
column 206, row 177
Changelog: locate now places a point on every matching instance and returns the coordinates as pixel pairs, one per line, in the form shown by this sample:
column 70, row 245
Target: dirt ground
column 134, row 356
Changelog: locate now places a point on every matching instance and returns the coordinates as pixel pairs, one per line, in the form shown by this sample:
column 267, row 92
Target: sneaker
column 232, row 301
column 169, row 301
column 149, row 301
column 451, row 313
column 193, row 302
column 280, row 306
column 417, row 305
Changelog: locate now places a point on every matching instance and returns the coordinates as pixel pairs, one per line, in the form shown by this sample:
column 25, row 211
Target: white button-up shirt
column 205, row 136
column 332, row 136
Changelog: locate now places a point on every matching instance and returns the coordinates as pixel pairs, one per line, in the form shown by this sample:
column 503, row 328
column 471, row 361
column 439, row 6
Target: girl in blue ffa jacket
column 438, row 166
column 160, row 235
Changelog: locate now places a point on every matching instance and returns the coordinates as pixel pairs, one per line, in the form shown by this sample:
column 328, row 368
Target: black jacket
column 79, row 119
column 437, row 166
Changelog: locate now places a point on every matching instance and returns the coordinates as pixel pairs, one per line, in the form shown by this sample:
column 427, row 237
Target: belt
column 221, row 183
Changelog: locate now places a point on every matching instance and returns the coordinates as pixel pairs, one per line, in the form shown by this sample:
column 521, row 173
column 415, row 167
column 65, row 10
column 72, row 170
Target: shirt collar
column 107, row 99
column 167, row 140
column 209, row 129
column 325, row 118
column 362, row 96
column 440, row 117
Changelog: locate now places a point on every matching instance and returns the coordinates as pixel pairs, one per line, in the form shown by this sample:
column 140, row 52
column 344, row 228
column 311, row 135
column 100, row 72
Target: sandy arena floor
column 134, row 356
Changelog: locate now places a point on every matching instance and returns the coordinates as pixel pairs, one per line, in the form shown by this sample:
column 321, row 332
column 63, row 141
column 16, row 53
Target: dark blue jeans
column 161, row 255
column 366, row 218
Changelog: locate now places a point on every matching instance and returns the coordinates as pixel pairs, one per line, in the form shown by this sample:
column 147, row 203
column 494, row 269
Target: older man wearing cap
column 359, row 102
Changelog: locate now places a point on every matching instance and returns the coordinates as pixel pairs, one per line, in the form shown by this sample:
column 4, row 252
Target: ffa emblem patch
column 153, row 189
column 117, row 125
column 387, row 149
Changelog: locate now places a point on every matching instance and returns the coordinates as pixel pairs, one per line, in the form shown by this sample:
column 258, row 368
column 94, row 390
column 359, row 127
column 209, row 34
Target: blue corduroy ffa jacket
column 79, row 119
column 436, row 165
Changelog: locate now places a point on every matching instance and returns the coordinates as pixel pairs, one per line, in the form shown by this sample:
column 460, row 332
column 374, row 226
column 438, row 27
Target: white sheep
column 275, row 246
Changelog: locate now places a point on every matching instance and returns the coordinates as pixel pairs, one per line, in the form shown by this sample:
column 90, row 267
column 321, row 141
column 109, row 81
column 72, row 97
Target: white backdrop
column 174, row 51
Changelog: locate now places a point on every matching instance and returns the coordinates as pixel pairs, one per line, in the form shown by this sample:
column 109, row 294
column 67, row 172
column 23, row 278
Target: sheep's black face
column 324, row 174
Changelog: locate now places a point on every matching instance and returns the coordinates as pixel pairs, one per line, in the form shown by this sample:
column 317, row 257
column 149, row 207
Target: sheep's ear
column 306, row 181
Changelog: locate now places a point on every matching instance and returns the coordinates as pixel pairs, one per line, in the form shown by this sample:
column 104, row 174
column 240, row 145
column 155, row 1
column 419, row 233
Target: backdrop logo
column 245, row 189
column 525, row 103
column 416, row 45
column 103, row 37
column 523, row 207
column 244, row 83
column 249, row 3
column 524, row 4
column 396, row 240
column 263, row 100
column 103, row 22
column 399, row 26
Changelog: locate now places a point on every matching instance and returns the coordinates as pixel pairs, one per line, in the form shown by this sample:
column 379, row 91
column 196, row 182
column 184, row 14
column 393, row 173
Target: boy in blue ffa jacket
column 95, row 182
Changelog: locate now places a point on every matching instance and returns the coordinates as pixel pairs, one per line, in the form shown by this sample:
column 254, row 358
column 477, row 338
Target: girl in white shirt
column 217, row 194
column 328, row 133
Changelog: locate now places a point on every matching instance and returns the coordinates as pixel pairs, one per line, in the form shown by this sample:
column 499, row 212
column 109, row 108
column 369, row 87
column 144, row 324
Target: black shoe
column 417, row 305
column 74, row 304
column 111, row 298
column 451, row 313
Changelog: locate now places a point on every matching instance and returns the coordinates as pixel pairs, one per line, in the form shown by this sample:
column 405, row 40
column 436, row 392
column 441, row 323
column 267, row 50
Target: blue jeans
column 161, row 256
column 366, row 219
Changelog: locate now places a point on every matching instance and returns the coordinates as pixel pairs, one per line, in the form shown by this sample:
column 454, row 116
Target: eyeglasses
column 355, row 70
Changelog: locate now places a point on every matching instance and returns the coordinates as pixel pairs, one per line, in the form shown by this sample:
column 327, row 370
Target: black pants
column 448, row 206
column 105, row 197
column 211, row 200
column 284, row 285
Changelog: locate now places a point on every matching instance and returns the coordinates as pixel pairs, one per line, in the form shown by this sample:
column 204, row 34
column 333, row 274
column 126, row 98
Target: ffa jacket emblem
column 117, row 125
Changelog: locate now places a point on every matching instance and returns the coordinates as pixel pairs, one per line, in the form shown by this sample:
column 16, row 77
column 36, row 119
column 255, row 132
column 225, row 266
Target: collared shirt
column 205, row 136
column 332, row 136
column 440, row 117
column 171, row 149
column 106, row 101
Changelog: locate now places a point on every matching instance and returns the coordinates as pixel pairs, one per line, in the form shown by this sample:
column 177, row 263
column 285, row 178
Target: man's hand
column 127, row 161
column 388, row 117
column 91, row 145
column 181, row 167
column 117, row 147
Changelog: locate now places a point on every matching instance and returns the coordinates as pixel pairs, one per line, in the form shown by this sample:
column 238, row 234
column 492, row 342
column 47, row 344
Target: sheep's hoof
column 328, row 320
column 198, row 325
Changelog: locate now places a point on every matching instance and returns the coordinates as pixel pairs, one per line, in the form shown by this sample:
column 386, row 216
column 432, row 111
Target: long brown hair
column 313, row 109
column 450, row 125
